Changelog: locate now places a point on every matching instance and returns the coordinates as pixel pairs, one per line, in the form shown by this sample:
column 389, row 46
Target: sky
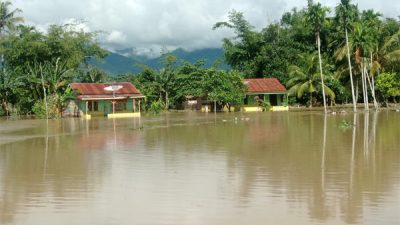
column 150, row 25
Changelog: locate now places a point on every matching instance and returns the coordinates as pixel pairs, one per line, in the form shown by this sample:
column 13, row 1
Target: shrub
column 266, row 106
column 156, row 107
column 39, row 108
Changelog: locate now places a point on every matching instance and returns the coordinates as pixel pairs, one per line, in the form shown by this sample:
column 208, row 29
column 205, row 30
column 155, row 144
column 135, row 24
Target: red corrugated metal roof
column 98, row 88
column 264, row 85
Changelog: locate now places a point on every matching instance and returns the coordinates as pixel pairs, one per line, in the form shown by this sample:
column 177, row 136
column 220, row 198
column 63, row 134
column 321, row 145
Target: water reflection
column 52, row 166
column 189, row 168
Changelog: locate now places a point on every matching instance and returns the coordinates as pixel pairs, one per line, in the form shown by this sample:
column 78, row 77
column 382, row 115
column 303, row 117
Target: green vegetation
column 35, row 64
column 323, row 58
column 156, row 107
column 172, row 84
column 344, row 52
column 344, row 125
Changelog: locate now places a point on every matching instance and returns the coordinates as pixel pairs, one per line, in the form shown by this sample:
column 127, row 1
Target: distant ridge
column 124, row 61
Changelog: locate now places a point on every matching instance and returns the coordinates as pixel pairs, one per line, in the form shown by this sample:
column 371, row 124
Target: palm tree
column 8, row 18
column 365, row 41
column 361, row 41
column 390, row 50
column 372, row 21
column 346, row 13
column 315, row 16
column 305, row 78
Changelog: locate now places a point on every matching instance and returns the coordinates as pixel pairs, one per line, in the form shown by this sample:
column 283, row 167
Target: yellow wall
column 123, row 115
column 252, row 109
column 280, row 108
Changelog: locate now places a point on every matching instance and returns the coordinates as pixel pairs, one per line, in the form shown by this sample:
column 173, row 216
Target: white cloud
column 116, row 37
column 150, row 25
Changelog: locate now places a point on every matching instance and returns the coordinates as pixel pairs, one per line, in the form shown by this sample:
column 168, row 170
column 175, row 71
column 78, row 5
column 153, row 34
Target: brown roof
column 96, row 90
column 264, row 85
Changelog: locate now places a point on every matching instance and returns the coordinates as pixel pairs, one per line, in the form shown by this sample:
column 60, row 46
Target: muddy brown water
column 194, row 168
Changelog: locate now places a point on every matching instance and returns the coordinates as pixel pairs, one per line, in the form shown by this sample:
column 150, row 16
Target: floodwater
column 193, row 168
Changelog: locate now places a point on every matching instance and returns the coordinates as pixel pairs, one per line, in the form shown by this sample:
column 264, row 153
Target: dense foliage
column 353, row 44
column 36, row 65
column 173, row 84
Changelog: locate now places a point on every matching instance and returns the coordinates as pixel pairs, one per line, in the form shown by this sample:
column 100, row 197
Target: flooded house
column 114, row 100
column 268, row 90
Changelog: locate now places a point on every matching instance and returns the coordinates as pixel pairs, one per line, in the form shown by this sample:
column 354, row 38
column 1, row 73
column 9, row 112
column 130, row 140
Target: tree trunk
column 364, row 81
column 357, row 91
column 44, row 93
column 363, row 84
column 366, row 87
column 166, row 100
column 320, row 68
column 371, row 86
column 351, row 74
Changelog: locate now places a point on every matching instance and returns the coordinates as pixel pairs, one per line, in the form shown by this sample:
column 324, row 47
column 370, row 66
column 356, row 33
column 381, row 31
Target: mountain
column 125, row 61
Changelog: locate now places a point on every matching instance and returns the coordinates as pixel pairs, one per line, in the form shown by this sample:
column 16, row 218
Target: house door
column 273, row 99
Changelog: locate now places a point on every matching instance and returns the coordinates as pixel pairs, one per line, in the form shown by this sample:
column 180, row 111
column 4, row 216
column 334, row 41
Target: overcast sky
column 149, row 25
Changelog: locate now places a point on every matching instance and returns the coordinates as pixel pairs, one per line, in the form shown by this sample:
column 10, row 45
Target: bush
column 266, row 106
column 39, row 108
column 156, row 107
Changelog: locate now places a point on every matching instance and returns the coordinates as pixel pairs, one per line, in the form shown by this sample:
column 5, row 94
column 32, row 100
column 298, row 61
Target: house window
column 93, row 106
column 120, row 105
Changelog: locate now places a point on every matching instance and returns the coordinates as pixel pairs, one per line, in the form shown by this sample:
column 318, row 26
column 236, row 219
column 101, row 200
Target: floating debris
column 345, row 125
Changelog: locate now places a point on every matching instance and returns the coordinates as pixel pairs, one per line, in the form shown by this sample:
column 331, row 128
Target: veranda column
column 113, row 106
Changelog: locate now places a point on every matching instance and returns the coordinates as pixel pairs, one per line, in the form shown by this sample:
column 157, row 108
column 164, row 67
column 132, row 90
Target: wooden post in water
column 113, row 106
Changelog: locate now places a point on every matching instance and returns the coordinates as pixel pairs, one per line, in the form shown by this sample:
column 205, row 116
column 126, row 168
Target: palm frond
column 303, row 88
column 329, row 92
column 293, row 90
column 375, row 67
column 342, row 71
column 393, row 56
column 340, row 53
column 394, row 39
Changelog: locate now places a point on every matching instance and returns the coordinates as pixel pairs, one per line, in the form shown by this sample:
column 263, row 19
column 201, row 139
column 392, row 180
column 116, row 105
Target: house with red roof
column 121, row 99
column 267, row 90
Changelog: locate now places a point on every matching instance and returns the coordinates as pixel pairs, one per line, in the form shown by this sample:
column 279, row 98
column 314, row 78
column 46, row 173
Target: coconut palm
column 390, row 50
column 8, row 19
column 346, row 13
column 305, row 78
column 315, row 16
column 387, row 52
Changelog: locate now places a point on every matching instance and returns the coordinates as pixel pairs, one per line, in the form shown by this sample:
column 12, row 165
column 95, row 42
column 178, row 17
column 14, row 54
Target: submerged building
column 121, row 99
column 268, row 90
